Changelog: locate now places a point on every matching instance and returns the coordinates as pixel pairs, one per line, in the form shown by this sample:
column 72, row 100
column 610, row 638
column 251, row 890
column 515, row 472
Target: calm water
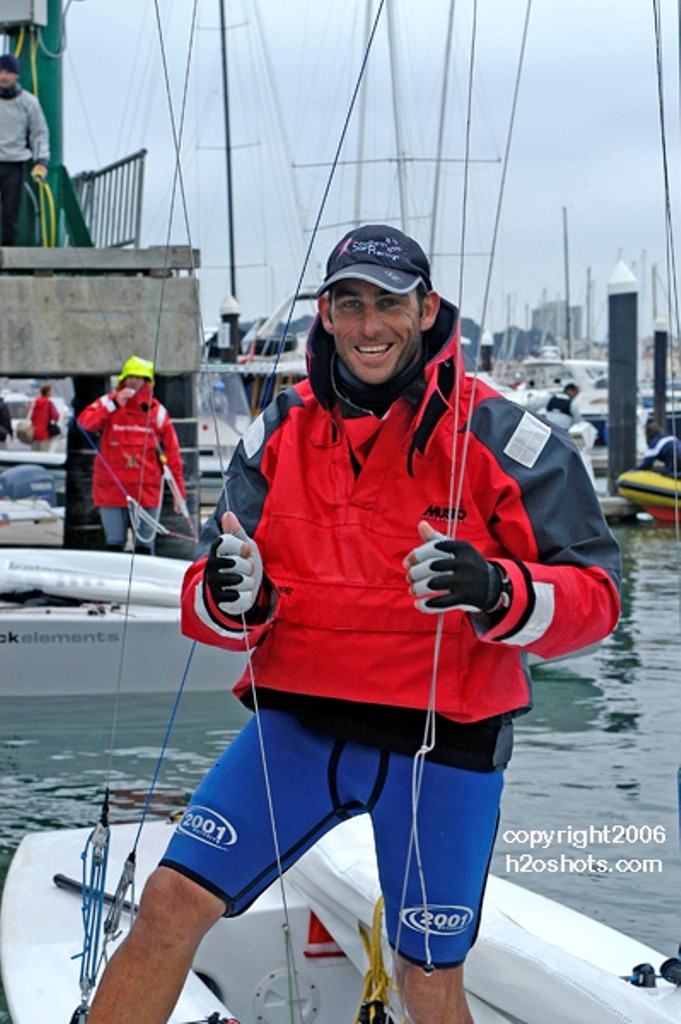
column 592, row 783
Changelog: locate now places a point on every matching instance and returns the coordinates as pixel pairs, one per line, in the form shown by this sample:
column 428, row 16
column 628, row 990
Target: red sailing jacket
column 342, row 623
column 43, row 411
column 127, row 462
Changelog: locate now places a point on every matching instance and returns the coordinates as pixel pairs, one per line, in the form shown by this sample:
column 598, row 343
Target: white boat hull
column 535, row 961
column 123, row 635
column 31, row 522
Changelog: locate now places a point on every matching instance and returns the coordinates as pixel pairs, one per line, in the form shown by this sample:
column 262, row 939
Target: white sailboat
column 305, row 960
column 93, row 622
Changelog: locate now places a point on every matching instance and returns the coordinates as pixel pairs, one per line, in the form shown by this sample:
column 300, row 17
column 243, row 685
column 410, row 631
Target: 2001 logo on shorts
column 437, row 920
column 207, row 826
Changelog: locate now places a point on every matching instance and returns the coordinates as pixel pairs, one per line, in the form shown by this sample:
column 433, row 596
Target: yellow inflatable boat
column 657, row 494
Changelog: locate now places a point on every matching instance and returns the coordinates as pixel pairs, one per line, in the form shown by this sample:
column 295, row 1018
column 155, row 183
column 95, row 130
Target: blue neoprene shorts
column 224, row 840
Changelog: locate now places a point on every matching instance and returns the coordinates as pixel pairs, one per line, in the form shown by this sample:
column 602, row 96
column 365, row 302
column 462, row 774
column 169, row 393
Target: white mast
column 361, row 126
column 397, row 106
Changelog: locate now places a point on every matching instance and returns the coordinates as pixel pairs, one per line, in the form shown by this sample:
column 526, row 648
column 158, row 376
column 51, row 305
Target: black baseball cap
column 381, row 255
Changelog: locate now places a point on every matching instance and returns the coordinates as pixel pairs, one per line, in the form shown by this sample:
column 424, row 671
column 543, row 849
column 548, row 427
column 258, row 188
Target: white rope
column 457, row 473
column 293, row 973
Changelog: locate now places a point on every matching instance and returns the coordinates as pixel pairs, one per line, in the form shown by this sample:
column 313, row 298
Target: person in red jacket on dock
column 394, row 539
column 44, row 414
column 136, row 432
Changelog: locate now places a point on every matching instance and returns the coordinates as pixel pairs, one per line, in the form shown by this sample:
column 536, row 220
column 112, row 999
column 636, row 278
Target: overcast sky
column 586, row 137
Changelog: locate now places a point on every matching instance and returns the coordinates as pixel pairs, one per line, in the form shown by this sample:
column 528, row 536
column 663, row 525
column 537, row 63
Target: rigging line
column 178, row 181
column 128, row 877
column 495, row 234
column 291, row 966
column 429, row 735
column 454, row 503
column 467, row 155
column 325, row 196
column 266, row 398
column 177, row 134
column 252, row 680
column 504, row 171
column 178, row 177
column 135, row 522
column 164, row 747
column 669, row 232
column 672, row 291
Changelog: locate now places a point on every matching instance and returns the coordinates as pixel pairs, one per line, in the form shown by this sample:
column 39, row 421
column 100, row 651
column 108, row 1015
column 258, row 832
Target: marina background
column 599, row 752
column 587, row 137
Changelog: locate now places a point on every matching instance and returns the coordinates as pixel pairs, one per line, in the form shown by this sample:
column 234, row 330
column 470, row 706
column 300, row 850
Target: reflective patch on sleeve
column 254, row 437
column 528, row 440
column 540, row 619
column 206, row 618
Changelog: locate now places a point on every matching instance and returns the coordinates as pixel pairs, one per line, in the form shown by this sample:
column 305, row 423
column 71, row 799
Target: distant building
column 550, row 318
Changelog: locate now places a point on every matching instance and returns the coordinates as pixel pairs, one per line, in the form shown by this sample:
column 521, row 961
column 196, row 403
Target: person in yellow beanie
column 135, row 430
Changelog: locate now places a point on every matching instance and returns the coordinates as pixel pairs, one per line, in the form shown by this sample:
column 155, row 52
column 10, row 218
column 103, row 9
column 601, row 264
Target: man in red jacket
column 135, row 430
column 393, row 540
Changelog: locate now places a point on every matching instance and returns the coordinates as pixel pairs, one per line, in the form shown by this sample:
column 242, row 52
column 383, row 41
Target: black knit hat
column 381, row 255
column 8, row 62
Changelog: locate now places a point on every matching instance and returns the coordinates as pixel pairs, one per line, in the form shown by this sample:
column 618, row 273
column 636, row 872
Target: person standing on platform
column 24, row 136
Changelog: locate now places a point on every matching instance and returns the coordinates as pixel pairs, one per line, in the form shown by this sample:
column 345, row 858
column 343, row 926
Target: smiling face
column 377, row 333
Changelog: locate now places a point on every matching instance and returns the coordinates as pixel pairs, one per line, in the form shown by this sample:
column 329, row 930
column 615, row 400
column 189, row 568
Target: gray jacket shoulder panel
column 556, row 491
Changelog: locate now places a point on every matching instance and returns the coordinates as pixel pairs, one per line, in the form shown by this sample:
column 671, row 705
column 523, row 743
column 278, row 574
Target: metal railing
column 111, row 201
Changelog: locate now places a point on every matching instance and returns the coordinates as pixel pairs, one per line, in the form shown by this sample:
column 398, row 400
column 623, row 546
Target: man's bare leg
column 144, row 978
column 435, row 998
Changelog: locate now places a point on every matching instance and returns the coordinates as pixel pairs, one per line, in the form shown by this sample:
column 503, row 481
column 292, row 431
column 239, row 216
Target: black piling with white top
column 623, row 357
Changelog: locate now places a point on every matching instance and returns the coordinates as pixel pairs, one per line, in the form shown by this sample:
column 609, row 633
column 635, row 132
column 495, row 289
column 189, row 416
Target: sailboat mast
column 361, row 126
column 397, row 108
column 228, row 148
column 441, row 133
column 568, row 318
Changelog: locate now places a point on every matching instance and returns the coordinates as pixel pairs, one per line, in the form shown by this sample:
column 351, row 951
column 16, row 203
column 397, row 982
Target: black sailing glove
column 447, row 574
column 233, row 572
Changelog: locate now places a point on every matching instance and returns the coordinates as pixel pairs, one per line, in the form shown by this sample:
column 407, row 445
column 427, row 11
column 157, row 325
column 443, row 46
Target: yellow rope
column 376, row 979
column 48, row 226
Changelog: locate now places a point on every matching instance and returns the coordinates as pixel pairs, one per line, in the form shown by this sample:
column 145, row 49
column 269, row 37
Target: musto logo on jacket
column 443, row 514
